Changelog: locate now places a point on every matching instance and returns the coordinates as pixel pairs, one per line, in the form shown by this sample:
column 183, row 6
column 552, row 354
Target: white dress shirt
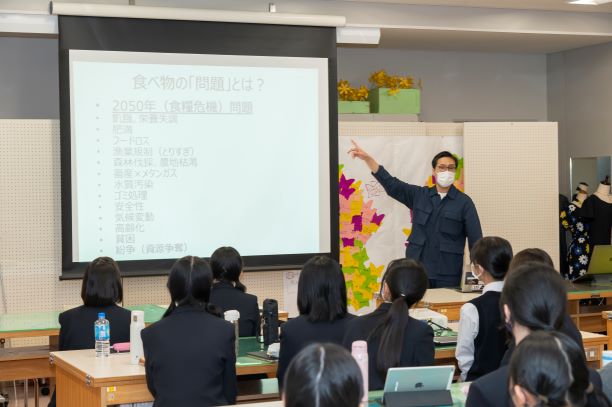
column 468, row 330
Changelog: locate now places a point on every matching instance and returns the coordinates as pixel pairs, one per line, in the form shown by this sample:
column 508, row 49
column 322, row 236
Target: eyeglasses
column 442, row 168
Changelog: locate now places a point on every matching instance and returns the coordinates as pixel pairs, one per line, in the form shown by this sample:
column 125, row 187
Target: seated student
column 568, row 327
column 321, row 300
column 525, row 310
column 548, row 369
column 229, row 293
column 323, row 375
column 395, row 339
column 101, row 291
column 481, row 343
column 189, row 354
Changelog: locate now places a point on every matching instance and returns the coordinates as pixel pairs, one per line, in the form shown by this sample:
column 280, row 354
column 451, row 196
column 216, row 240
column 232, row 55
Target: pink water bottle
column 360, row 353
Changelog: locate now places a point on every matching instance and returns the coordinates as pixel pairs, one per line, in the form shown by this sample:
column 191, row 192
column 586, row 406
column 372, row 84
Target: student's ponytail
column 226, row 265
column 407, row 282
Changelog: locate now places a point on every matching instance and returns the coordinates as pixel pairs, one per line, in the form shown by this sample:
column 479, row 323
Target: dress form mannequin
column 597, row 209
column 603, row 193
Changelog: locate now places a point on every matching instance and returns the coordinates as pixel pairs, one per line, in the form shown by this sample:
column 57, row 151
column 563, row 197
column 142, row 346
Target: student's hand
column 360, row 153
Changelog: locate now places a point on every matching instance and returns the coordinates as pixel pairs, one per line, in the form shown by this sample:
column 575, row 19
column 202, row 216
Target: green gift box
column 345, row 106
column 406, row 101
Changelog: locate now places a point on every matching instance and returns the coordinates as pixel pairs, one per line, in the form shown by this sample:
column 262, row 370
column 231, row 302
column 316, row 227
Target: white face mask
column 445, row 178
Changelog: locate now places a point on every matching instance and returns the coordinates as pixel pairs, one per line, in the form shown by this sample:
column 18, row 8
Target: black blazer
column 299, row 332
column 77, row 326
column 418, row 348
column 492, row 389
column 190, row 359
column 228, row 297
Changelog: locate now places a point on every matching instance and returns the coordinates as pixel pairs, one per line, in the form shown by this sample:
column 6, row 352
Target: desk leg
column 73, row 392
column 36, row 393
column 26, row 396
column 609, row 333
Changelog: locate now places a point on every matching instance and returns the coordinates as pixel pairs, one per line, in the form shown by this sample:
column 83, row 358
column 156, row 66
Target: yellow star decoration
column 350, row 94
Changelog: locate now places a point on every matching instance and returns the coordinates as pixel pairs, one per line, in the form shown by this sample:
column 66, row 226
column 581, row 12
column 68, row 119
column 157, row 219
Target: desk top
column 447, row 295
column 581, row 288
column 117, row 366
column 48, row 321
column 456, row 391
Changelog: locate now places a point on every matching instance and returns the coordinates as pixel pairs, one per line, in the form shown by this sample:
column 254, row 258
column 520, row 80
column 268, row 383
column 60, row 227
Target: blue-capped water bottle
column 102, row 335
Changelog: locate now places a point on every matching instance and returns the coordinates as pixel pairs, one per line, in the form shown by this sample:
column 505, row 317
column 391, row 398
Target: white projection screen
column 174, row 154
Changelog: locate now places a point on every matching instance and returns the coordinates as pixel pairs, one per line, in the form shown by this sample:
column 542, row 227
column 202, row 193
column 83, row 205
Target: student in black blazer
column 321, row 300
column 525, row 310
column 548, row 368
column 323, row 375
column 394, row 338
column 189, row 354
column 229, row 293
column 101, row 291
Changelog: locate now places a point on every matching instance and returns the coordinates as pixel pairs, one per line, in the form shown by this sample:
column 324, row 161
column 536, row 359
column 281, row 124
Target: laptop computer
column 418, row 386
column 600, row 266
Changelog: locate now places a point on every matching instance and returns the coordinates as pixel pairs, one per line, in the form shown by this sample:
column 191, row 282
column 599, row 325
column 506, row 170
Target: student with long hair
column 101, row 290
column 481, row 343
column 189, row 354
column 568, row 327
column 534, row 298
column 548, row 369
column 321, row 301
column 394, row 338
column 323, row 375
column 229, row 293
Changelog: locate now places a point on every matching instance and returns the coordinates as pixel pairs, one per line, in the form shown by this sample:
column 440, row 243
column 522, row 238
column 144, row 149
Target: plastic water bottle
column 102, row 335
column 359, row 350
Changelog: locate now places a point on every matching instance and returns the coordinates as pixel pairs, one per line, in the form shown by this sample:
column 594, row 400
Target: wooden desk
column 607, row 317
column 593, row 348
column 588, row 317
column 82, row 380
column 446, row 301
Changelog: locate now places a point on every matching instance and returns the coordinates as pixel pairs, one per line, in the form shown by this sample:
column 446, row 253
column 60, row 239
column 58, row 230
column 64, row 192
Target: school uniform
column 492, row 389
column 190, row 359
column 417, row 350
column 228, row 297
column 77, row 328
column 299, row 332
column 481, row 343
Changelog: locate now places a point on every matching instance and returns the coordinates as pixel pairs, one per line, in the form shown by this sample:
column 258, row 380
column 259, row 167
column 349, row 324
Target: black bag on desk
column 270, row 321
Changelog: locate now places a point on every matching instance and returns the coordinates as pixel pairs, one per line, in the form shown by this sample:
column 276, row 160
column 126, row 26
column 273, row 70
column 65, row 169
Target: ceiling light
column 590, row 2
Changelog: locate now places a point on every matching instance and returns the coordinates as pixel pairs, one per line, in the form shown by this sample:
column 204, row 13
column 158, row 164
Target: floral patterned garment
column 579, row 252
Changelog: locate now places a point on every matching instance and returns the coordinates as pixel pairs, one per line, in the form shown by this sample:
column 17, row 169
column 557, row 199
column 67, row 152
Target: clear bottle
column 102, row 335
column 359, row 350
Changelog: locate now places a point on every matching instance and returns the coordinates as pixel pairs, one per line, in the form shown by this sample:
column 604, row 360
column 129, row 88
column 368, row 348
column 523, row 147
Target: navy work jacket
column 439, row 226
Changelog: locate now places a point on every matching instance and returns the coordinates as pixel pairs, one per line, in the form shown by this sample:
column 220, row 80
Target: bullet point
column 97, row 129
column 98, row 162
column 100, row 217
column 99, row 173
column 97, row 117
column 100, row 207
column 97, row 105
column 98, row 140
column 101, row 240
column 99, row 196
column 100, row 228
column 101, row 250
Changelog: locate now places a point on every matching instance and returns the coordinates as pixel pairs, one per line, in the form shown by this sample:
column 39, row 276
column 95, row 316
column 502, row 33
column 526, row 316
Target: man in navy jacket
column 442, row 217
